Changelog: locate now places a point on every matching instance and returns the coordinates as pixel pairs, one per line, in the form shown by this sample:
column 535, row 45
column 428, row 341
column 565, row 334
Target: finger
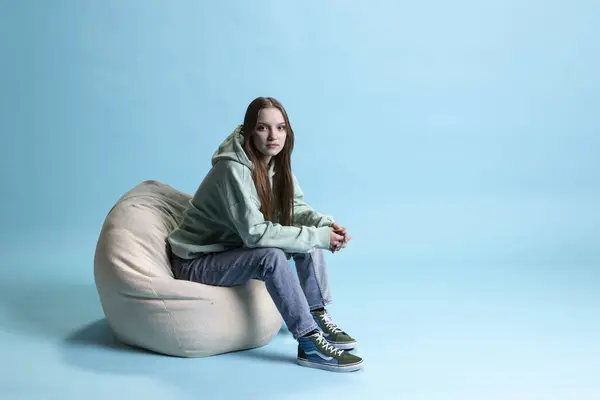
column 338, row 227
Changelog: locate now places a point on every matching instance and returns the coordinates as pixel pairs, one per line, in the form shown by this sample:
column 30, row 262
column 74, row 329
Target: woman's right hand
column 336, row 241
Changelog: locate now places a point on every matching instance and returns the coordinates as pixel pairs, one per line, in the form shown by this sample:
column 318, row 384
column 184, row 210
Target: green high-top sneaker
column 332, row 333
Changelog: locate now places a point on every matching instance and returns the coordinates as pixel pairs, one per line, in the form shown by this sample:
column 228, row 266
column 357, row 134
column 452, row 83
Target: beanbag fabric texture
column 143, row 303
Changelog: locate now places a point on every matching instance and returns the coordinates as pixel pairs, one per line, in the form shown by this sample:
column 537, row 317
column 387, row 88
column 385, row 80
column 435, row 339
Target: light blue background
column 457, row 141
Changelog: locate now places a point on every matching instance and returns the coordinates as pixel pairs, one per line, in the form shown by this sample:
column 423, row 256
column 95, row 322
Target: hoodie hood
column 232, row 149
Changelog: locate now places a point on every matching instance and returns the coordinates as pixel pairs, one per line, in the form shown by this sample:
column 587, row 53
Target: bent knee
column 271, row 260
column 316, row 254
column 274, row 254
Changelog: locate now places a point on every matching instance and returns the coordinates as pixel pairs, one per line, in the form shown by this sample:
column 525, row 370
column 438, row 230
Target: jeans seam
column 303, row 332
column 317, row 277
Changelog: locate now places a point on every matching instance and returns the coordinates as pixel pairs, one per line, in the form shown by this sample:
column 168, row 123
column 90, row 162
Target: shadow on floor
column 69, row 316
column 98, row 335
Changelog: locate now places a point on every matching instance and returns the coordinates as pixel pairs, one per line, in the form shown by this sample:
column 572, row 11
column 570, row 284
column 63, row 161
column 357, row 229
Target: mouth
column 272, row 146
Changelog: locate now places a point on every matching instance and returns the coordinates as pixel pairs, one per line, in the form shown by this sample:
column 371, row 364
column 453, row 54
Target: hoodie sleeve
column 243, row 211
column 304, row 214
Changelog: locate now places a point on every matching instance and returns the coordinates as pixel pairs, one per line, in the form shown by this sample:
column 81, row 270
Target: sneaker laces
column 327, row 346
column 330, row 324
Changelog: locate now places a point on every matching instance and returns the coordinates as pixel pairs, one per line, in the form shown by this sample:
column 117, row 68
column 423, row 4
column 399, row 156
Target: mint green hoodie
column 224, row 212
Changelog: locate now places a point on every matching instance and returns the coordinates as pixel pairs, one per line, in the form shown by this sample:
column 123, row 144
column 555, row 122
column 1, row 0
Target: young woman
column 245, row 221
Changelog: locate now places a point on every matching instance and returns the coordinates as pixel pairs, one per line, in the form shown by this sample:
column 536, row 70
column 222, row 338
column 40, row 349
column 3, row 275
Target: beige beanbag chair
column 146, row 307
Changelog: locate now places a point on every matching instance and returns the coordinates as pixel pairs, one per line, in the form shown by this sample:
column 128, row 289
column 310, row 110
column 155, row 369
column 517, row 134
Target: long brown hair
column 277, row 203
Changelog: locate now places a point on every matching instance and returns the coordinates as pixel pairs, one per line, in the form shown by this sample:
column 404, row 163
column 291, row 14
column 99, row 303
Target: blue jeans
column 295, row 294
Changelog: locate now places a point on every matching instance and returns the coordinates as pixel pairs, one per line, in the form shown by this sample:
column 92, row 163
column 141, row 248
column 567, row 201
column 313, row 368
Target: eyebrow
column 264, row 123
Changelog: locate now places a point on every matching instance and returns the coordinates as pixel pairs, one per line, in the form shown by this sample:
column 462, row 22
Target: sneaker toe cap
column 349, row 358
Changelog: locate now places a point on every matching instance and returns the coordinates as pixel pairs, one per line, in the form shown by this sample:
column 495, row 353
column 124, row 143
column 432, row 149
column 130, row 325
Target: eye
column 282, row 128
column 260, row 128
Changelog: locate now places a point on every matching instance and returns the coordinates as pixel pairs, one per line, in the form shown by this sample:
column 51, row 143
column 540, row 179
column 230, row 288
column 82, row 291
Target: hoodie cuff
column 323, row 235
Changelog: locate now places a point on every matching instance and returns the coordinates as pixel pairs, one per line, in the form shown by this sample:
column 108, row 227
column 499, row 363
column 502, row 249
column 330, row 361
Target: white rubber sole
column 333, row 368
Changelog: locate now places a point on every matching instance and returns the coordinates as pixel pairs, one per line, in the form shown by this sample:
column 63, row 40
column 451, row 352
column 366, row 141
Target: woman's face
column 270, row 133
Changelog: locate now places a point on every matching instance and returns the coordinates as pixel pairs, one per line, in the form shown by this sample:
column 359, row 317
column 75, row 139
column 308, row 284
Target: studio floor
column 426, row 331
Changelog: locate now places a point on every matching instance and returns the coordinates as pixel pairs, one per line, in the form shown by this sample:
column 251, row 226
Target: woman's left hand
column 340, row 230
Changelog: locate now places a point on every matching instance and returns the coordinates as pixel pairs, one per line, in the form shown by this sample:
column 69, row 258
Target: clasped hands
column 338, row 237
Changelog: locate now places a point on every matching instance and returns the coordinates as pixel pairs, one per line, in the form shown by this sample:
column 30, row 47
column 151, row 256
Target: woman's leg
column 312, row 272
column 236, row 267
